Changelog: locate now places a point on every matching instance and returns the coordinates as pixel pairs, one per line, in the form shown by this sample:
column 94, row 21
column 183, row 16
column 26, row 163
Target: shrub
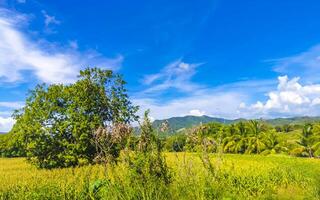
column 147, row 165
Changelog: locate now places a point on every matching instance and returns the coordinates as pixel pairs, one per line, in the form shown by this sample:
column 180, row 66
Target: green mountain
column 178, row 123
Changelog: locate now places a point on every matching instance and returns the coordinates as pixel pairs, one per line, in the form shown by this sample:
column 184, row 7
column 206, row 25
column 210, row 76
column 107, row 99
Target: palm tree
column 255, row 145
column 242, row 128
column 272, row 142
column 236, row 142
column 255, row 141
column 255, row 127
column 230, row 144
column 305, row 138
column 309, row 142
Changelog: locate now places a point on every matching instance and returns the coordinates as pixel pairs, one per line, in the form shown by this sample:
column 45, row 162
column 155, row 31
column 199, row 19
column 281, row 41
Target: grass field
column 229, row 177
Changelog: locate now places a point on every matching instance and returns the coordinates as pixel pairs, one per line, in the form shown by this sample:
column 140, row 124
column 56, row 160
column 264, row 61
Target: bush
column 147, row 164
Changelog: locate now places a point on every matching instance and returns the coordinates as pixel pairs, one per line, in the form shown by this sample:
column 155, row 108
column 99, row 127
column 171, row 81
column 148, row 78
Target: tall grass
column 194, row 176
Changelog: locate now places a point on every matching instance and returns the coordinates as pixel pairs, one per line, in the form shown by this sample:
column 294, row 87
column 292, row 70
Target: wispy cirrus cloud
column 305, row 64
column 48, row 62
column 196, row 99
column 49, row 19
column 218, row 101
column 176, row 75
column 49, row 22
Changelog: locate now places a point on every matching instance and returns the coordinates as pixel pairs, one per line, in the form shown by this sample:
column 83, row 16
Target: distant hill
column 3, row 133
column 177, row 123
column 293, row 120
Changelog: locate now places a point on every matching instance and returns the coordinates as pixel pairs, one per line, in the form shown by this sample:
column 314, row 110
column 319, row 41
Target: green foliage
column 58, row 121
column 253, row 137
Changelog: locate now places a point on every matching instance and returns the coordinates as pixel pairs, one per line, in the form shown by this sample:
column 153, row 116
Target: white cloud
column 176, row 75
column 196, row 112
column 290, row 99
column 6, row 124
column 48, row 62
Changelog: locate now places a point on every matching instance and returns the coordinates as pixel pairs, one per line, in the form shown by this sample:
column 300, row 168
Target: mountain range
column 178, row 123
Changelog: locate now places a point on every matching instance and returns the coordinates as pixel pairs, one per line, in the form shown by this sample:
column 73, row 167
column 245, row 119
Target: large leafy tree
column 58, row 121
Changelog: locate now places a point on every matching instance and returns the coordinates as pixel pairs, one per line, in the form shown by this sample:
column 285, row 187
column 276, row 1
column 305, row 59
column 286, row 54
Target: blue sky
column 222, row 58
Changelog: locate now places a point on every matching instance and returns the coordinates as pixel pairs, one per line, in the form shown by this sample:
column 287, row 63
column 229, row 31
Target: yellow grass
column 278, row 177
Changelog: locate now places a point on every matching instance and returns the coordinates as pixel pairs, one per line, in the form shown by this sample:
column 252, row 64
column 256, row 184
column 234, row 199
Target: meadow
column 194, row 176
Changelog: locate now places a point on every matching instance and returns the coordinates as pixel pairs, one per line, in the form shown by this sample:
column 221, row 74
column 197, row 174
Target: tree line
column 249, row 137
